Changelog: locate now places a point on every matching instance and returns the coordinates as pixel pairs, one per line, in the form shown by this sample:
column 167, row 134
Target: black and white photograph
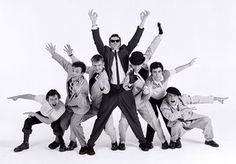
column 117, row 81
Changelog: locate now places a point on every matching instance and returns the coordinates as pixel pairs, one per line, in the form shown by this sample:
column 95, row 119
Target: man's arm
column 62, row 61
column 186, row 99
column 183, row 67
column 153, row 46
column 41, row 118
column 169, row 115
column 69, row 51
column 95, row 32
column 136, row 37
column 23, row 96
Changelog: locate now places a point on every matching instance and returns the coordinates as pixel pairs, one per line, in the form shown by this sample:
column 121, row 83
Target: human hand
column 192, row 61
column 51, row 48
column 14, row 98
column 220, row 99
column 68, row 50
column 160, row 31
column 93, row 16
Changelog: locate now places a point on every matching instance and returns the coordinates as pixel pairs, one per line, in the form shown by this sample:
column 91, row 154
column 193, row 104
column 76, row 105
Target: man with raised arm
column 116, row 57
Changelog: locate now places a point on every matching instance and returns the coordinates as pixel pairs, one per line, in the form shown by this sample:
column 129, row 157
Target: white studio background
column 192, row 28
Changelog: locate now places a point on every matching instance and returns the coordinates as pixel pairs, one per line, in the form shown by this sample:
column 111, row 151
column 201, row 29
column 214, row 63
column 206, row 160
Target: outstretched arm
column 154, row 44
column 95, row 31
column 41, row 118
column 62, row 61
column 136, row 37
column 182, row 67
column 23, row 96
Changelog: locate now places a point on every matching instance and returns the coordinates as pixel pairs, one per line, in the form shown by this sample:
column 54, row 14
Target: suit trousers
column 125, row 101
column 155, row 106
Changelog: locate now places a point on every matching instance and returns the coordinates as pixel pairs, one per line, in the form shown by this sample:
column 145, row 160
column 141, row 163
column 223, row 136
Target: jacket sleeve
column 62, row 61
column 106, row 84
column 98, row 41
column 152, row 48
column 135, row 39
column 168, row 114
column 187, row 99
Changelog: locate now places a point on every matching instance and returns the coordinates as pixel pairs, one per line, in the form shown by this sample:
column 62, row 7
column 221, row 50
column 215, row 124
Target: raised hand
column 51, row 48
column 68, row 50
column 220, row 99
column 192, row 61
column 144, row 14
column 93, row 17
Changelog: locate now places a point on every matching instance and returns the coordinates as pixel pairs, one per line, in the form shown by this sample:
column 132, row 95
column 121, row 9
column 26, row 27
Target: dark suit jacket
column 124, row 50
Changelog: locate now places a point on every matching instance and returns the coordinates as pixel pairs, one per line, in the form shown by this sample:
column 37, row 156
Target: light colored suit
column 182, row 118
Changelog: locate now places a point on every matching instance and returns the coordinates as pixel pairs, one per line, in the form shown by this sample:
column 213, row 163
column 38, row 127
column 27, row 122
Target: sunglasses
column 113, row 41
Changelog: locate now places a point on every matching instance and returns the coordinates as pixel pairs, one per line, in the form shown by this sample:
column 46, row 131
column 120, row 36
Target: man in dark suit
column 116, row 58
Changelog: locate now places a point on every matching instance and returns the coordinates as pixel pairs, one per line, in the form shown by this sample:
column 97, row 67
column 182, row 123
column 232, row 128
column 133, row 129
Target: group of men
column 120, row 78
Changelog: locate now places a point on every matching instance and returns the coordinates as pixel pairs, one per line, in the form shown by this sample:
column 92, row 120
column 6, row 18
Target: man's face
column 53, row 100
column 99, row 65
column 114, row 43
column 77, row 72
column 172, row 99
column 136, row 68
column 157, row 74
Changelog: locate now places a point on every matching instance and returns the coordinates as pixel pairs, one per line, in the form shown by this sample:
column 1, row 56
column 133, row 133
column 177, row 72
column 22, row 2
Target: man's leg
column 111, row 132
column 108, row 104
column 123, row 126
column 127, row 105
column 146, row 111
column 205, row 124
column 177, row 131
column 27, row 130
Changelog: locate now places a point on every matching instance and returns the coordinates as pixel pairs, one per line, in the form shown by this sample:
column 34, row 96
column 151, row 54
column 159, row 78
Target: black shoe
column 211, row 143
column 159, row 28
column 83, row 150
column 178, row 144
column 72, row 145
column 172, row 145
column 165, row 145
column 114, row 146
column 143, row 146
column 121, row 146
column 22, row 147
column 62, row 147
column 149, row 145
column 90, row 150
column 53, row 145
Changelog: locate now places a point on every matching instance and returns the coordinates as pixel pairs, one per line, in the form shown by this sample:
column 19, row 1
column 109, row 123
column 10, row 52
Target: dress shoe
column 178, row 143
column 22, row 147
column 149, row 145
column 211, row 143
column 62, row 147
column 72, row 145
column 165, row 145
column 83, row 150
column 121, row 146
column 172, row 145
column 114, row 146
column 90, row 150
column 53, row 145
column 143, row 146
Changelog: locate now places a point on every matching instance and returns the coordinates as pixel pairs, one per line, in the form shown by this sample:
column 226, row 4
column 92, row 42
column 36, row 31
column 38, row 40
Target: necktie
column 92, row 81
column 117, row 69
column 70, row 87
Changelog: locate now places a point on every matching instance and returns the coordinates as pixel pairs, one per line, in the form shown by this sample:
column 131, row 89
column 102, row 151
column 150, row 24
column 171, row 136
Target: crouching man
column 182, row 118
column 50, row 112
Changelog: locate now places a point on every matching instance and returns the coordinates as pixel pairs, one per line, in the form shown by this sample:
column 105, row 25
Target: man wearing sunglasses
column 116, row 57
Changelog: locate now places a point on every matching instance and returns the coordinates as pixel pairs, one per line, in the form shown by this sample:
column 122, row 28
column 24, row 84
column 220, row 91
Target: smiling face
column 157, row 74
column 172, row 99
column 53, row 100
column 114, row 43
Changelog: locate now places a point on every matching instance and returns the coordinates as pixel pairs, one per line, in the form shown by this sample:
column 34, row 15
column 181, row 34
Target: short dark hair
column 53, row 92
column 114, row 35
column 155, row 65
column 81, row 65
column 97, row 58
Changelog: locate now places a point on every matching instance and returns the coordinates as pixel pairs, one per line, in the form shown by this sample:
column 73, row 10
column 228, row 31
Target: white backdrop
column 192, row 28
